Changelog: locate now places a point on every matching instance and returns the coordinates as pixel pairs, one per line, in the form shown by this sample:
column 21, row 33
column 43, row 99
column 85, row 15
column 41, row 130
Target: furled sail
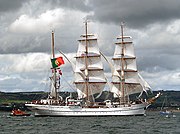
column 89, row 68
column 55, row 82
column 125, row 69
column 53, row 89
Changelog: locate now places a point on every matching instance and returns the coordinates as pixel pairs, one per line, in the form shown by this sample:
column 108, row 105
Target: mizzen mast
column 54, row 72
column 52, row 37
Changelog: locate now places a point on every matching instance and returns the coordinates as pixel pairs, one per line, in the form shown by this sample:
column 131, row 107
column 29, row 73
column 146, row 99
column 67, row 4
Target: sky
column 25, row 39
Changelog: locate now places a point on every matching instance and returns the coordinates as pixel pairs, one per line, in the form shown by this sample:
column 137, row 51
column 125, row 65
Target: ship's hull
column 54, row 110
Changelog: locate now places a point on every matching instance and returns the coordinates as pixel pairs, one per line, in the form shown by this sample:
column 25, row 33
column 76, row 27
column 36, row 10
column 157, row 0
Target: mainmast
column 89, row 72
column 54, row 76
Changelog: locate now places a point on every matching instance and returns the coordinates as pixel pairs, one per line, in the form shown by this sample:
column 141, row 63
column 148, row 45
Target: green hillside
column 173, row 98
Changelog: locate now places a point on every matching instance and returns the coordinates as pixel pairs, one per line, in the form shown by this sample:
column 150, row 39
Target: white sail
column 129, row 89
column 93, row 88
column 53, row 91
column 129, row 64
column 92, row 45
column 93, row 62
column 127, row 45
column 125, row 63
column 144, row 84
column 93, row 70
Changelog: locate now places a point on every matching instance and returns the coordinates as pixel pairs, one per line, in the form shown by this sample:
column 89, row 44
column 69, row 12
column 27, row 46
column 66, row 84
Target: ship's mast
column 52, row 36
column 122, row 84
column 86, row 62
column 53, row 56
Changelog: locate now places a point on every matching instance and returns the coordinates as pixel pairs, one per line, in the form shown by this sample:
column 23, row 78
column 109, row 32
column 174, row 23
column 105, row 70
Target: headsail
column 89, row 73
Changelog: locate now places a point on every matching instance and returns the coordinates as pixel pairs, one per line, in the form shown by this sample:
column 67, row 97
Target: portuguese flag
column 56, row 62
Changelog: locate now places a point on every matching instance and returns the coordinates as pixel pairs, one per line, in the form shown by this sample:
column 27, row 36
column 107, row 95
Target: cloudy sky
column 25, row 38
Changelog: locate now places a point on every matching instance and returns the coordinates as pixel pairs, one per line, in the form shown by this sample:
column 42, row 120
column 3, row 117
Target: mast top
column 86, row 20
column 122, row 23
column 53, row 53
column 122, row 31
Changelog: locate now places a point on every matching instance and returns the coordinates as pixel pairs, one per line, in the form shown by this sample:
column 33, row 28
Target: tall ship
column 90, row 80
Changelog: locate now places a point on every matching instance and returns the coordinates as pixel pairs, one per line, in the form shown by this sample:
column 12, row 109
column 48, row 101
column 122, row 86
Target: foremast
column 89, row 73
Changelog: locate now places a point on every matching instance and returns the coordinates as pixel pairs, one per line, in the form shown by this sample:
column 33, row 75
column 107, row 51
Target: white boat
column 165, row 110
column 90, row 79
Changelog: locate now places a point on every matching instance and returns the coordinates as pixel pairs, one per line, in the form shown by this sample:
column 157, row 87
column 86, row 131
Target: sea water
column 152, row 123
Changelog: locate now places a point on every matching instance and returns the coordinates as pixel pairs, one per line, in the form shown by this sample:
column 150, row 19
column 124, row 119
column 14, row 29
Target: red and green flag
column 56, row 62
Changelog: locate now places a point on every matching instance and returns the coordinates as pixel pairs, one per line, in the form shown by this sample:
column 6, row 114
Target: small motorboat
column 19, row 112
column 166, row 112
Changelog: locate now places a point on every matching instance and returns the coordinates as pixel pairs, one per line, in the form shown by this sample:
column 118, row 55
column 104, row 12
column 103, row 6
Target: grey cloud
column 23, row 44
column 81, row 5
column 157, row 52
column 10, row 5
column 138, row 14
column 15, row 44
column 154, row 61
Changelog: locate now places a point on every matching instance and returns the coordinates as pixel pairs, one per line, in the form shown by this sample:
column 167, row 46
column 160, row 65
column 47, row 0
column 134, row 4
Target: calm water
column 153, row 123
